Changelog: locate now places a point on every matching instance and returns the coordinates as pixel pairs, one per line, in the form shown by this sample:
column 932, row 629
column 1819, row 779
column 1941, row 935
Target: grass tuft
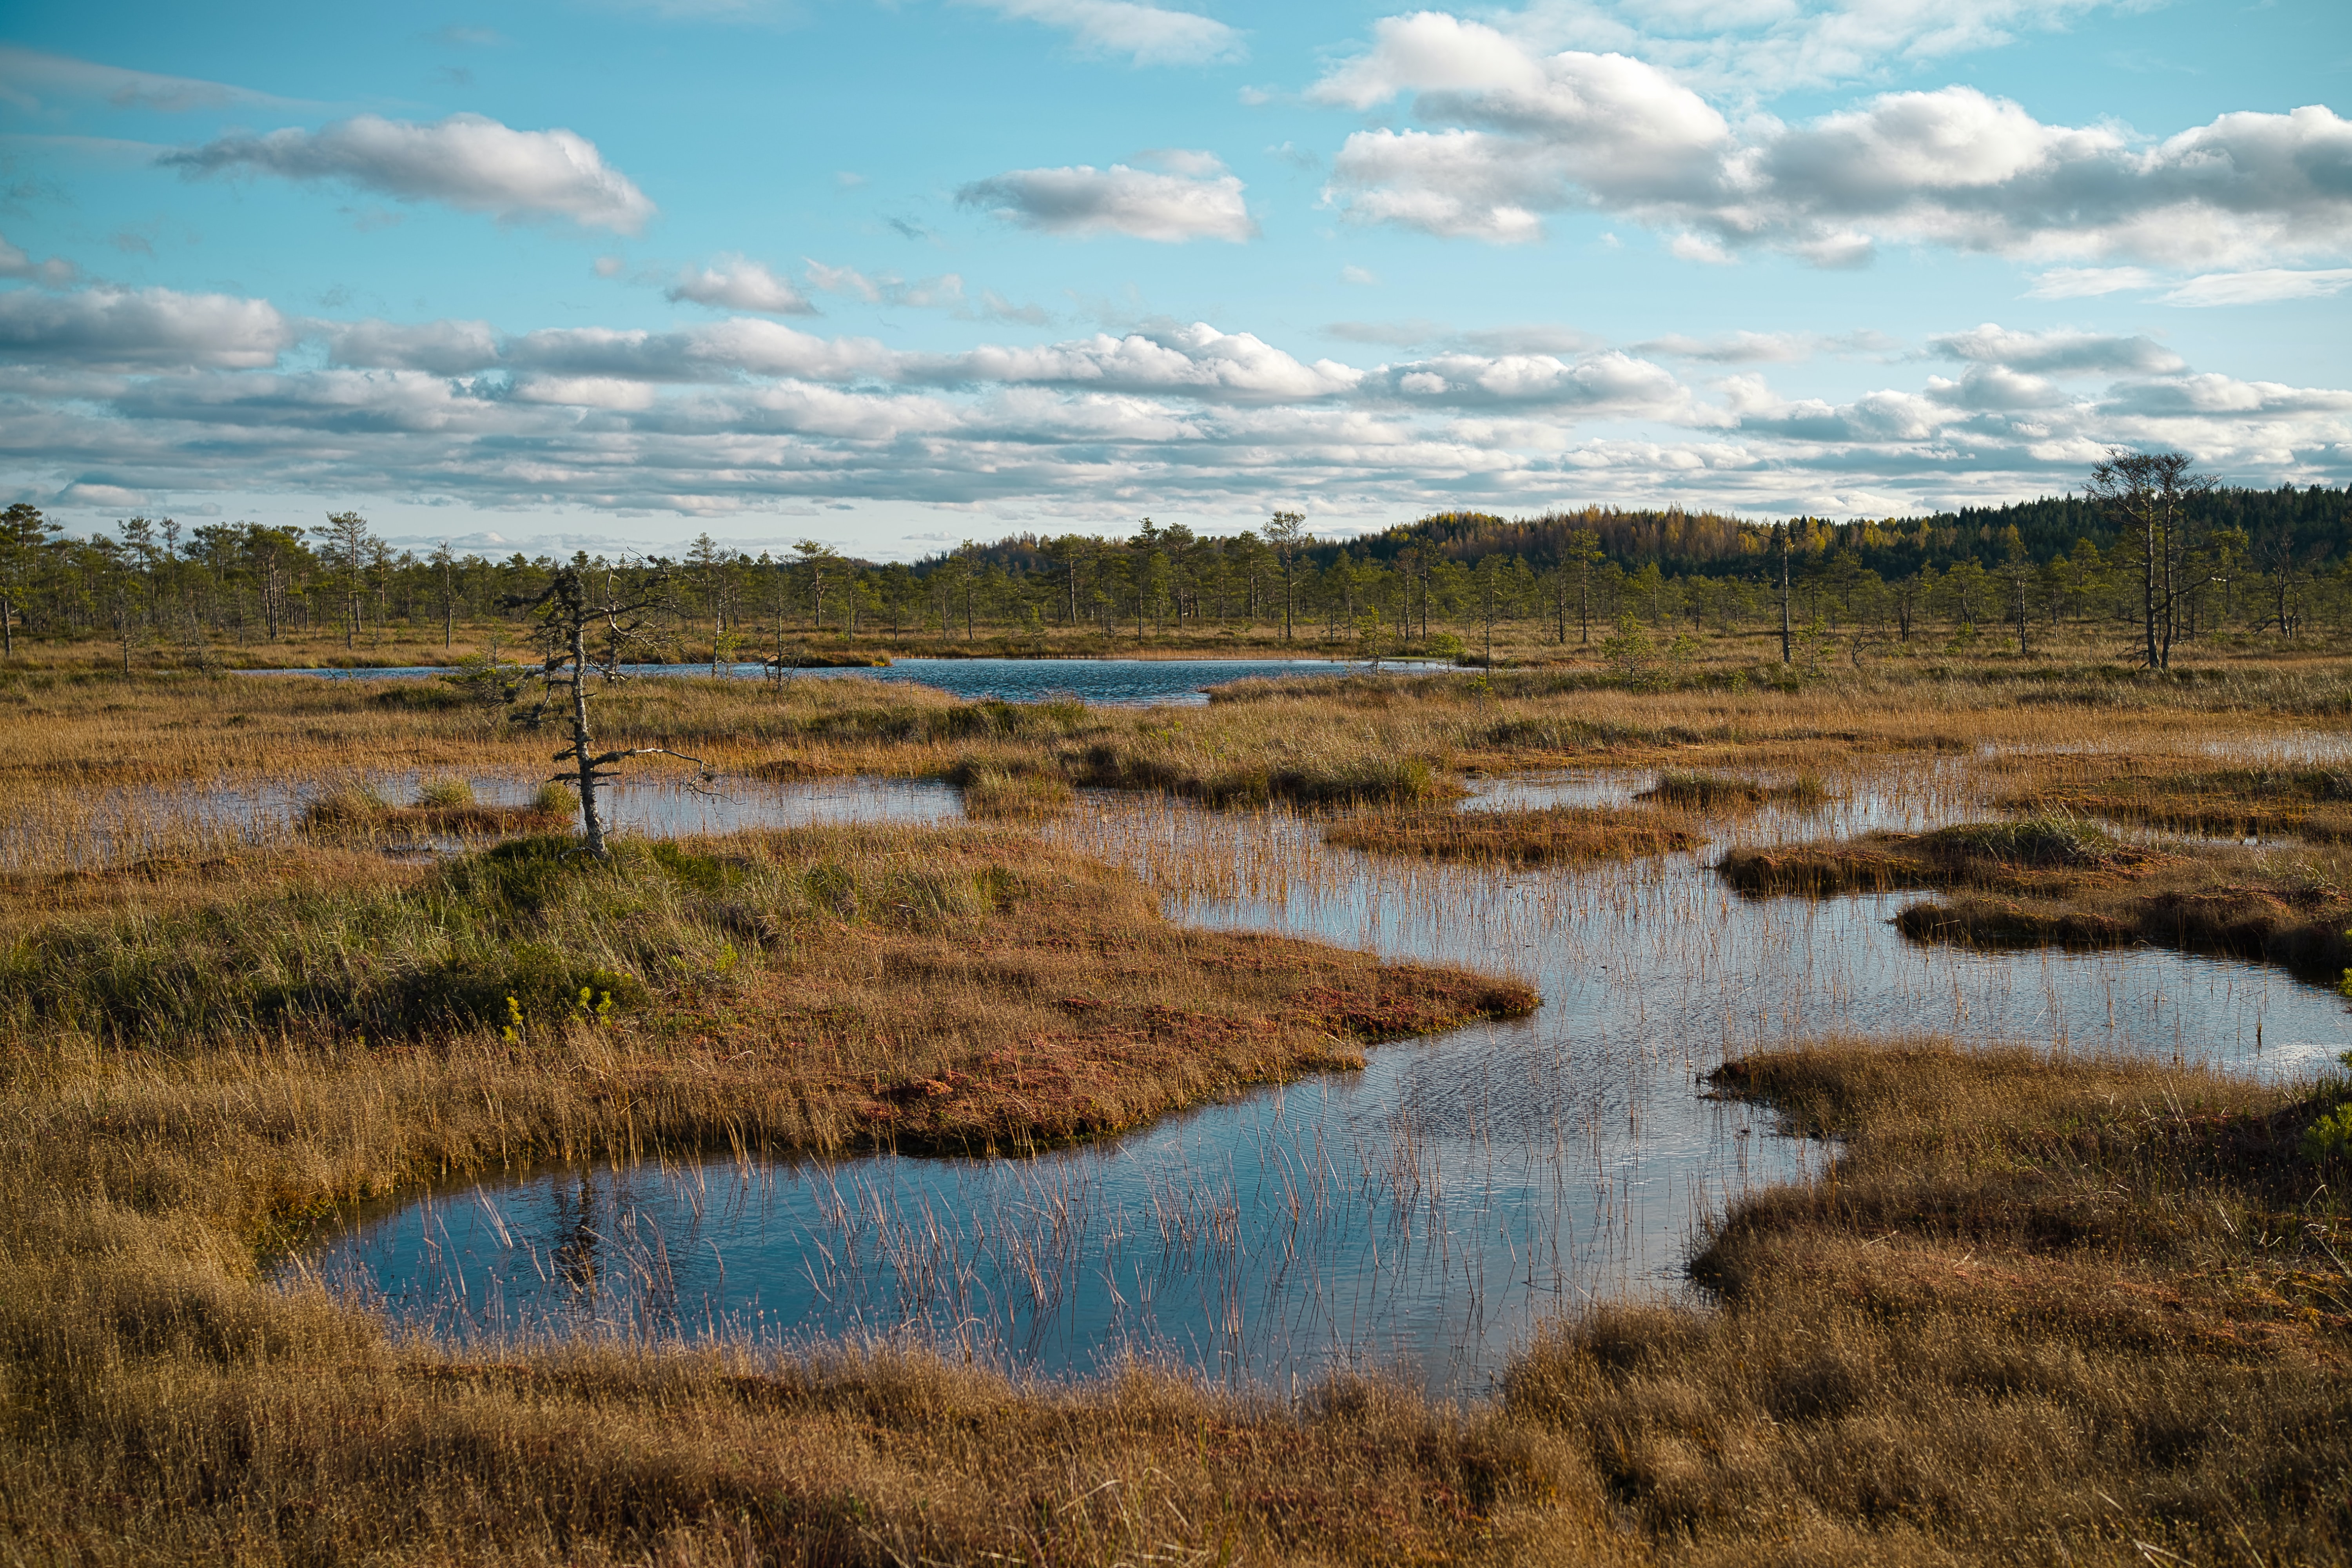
column 1547, row 835
column 1720, row 792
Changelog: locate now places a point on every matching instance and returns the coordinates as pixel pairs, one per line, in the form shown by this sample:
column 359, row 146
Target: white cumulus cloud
column 735, row 283
column 467, row 160
column 1520, row 134
column 1145, row 204
column 1197, row 360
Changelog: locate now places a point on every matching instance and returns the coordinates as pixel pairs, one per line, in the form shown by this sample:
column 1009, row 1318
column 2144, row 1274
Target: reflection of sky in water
column 1422, row 1212
column 1110, row 680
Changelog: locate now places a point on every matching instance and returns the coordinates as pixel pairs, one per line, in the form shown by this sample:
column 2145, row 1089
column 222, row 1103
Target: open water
column 1120, row 682
column 1422, row 1214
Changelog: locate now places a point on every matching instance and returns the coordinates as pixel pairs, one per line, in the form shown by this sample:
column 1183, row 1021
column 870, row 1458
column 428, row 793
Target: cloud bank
column 137, row 393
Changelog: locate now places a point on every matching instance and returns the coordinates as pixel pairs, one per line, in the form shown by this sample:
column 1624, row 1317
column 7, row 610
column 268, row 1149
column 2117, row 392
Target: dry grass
column 106, row 771
column 2038, row 1310
column 813, row 990
column 165, row 1110
column 1538, row 835
column 1724, row 794
column 2058, row 882
column 444, row 808
column 994, row 792
column 2049, row 858
column 2311, row 803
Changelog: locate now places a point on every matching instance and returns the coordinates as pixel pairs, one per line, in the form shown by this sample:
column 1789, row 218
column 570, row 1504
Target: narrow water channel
column 1420, row 1216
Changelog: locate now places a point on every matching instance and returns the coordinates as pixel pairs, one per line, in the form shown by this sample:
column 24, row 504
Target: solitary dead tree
column 2154, row 497
column 577, row 596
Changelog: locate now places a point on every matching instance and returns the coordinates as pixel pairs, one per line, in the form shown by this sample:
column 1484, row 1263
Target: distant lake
column 1108, row 680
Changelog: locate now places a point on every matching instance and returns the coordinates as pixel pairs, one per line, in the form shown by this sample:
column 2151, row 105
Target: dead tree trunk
column 564, row 608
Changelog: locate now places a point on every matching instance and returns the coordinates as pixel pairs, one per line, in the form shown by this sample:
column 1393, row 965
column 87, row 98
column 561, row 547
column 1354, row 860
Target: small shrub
column 2330, row 1136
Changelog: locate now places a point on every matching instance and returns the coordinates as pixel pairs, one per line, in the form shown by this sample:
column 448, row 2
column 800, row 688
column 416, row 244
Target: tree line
column 2149, row 552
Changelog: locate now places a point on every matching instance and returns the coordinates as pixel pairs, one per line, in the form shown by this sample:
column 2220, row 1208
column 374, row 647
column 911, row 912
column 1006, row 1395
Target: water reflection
column 1423, row 1212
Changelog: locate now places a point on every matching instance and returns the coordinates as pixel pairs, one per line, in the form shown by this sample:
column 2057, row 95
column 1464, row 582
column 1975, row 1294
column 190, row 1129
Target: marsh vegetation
column 2052, row 1267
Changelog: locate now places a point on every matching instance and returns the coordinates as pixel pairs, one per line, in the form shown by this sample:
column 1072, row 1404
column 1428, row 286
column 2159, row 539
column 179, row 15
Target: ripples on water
column 1422, row 1214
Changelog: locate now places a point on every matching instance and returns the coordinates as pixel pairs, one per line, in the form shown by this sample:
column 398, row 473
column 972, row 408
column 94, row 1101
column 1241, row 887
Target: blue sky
column 897, row 274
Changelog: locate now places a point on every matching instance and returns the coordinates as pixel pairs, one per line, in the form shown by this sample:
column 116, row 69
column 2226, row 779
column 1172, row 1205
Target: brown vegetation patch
column 2041, row 883
column 1730, row 793
column 1540, row 836
column 2294, row 925
column 1070, row 1017
column 443, row 810
column 831, row 989
column 2311, row 803
column 998, row 793
column 2051, row 858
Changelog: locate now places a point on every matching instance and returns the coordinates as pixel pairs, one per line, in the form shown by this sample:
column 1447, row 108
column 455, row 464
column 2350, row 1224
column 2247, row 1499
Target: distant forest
column 2245, row 561
column 2314, row 525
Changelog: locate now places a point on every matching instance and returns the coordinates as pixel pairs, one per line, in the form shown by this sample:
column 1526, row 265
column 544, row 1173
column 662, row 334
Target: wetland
column 1359, row 1115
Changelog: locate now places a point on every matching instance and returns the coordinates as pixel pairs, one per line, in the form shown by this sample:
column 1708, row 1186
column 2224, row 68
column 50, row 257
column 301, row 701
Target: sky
column 892, row 274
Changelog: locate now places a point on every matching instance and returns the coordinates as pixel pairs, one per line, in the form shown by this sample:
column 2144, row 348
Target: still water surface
column 1423, row 1214
column 1120, row 682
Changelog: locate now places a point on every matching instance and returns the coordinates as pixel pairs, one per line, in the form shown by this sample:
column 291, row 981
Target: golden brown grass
column 811, row 990
column 1534, row 837
column 2058, row 882
column 444, row 808
column 2039, row 1308
column 107, row 770
column 1722, row 794
column 994, row 792
column 943, row 989
column 2311, row 803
